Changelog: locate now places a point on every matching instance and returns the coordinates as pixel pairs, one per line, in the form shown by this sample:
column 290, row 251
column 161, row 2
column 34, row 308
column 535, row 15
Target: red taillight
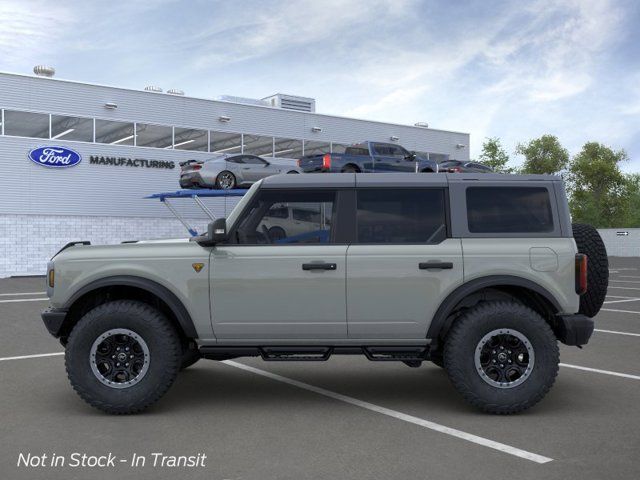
column 326, row 161
column 455, row 170
column 197, row 166
column 581, row 273
column 298, row 162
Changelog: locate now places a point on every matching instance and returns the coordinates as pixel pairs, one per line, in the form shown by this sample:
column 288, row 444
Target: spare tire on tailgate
column 589, row 242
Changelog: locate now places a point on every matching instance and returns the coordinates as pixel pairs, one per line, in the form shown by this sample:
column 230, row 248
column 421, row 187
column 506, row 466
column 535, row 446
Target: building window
column 190, row 139
column 114, row 133
column 258, row 145
column 316, row 148
column 26, row 124
column 338, row 147
column 156, row 136
column 287, row 148
column 71, row 128
column 223, row 142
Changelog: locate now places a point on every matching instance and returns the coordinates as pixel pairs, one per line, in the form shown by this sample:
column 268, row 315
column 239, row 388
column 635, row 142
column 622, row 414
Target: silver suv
column 481, row 274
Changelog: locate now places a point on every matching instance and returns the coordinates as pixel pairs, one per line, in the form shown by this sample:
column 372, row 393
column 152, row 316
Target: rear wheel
column 349, row 169
column 590, row 243
column 225, row 180
column 502, row 357
column 122, row 356
column 292, row 172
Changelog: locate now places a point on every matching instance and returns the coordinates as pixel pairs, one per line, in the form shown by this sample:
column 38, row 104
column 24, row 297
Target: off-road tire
column 590, row 243
column 464, row 337
column 165, row 353
column 437, row 358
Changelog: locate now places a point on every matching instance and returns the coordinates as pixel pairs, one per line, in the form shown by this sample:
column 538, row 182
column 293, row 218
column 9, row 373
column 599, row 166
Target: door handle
column 319, row 266
column 435, row 265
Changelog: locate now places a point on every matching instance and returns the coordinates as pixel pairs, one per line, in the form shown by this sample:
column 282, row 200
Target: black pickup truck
column 369, row 157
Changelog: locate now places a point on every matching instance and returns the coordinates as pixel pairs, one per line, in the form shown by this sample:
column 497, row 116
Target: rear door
column 280, row 280
column 402, row 264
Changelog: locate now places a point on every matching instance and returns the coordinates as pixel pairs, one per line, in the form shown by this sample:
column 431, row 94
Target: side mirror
column 216, row 233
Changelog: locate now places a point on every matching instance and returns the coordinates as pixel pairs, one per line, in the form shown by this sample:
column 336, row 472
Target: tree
column 494, row 156
column 543, row 155
column 633, row 193
column 600, row 192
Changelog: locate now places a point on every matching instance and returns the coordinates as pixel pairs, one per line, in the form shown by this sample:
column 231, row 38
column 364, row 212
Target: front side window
column 392, row 215
column 509, row 210
column 26, row 124
column 268, row 220
column 253, row 160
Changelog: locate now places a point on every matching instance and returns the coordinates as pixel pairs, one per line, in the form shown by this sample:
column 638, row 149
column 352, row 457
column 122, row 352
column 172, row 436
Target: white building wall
column 620, row 245
column 27, row 242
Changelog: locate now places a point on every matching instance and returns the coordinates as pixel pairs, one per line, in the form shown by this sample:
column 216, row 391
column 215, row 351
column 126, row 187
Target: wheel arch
column 492, row 288
column 131, row 287
column 355, row 166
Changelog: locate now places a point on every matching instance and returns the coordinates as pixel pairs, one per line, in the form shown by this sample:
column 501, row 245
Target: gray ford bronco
column 481, row 274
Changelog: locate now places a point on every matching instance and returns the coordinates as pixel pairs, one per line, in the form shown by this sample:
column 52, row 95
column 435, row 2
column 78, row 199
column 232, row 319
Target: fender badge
column 197, row 267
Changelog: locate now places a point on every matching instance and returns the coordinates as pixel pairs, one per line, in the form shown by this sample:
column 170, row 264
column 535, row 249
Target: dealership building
column 127, row 144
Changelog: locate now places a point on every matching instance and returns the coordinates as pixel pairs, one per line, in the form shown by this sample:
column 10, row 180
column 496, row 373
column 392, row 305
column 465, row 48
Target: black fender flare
column 167, row 296
column 446, row 307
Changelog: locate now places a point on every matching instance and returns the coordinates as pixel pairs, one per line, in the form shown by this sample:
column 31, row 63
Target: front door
column 402, row 265
column 280, row 277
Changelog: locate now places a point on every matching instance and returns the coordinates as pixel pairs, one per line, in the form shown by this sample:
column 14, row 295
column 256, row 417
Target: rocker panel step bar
column 318, row 353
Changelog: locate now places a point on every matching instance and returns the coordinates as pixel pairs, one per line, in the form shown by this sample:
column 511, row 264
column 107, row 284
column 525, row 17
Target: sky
column 514, row 70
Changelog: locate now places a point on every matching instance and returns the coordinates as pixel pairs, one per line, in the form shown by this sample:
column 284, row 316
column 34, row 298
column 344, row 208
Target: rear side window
column 509, row 210
column 401, row 216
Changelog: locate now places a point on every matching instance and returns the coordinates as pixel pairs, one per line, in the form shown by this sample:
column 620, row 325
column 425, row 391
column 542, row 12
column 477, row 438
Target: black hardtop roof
column 344, row 180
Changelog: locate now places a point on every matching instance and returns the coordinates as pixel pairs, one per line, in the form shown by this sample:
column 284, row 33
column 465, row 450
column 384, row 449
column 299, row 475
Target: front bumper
column 574, row 330
column 53, row 319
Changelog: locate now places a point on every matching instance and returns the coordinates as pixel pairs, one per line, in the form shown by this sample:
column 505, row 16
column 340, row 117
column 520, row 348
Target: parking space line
column 15, row 300
column 617, row 296
column 624, row 281
column 621, row 301
column 617, row 332
column 21, row 293
column 485, row 442
column 619, row 311
column 597, row 370
column 623, row 288
column 39, row 355
column 628, row 276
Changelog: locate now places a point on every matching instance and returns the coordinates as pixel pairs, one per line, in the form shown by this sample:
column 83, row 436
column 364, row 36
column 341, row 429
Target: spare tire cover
column 590, row 243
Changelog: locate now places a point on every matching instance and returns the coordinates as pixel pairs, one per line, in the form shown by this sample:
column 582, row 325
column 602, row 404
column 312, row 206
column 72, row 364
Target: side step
column 395, row 354
column 415, row 353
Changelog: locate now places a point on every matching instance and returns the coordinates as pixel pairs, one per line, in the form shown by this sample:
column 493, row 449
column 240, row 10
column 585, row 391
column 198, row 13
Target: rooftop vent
column 244, row 100
column 291, row 102
column 422, row 124
column 44, row 71
column 175, row 91
column 153, row 88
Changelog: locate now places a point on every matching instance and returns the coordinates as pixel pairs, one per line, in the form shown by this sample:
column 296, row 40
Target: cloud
column 29, row 29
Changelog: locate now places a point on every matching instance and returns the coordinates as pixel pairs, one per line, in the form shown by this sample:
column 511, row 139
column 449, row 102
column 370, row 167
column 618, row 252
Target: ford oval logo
column 56, row 157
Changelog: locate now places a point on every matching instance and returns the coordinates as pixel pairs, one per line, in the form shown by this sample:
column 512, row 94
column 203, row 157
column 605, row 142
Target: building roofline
column 229, row 102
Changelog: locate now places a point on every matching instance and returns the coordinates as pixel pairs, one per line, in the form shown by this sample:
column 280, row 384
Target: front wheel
column 122, row 356
column 502, row 357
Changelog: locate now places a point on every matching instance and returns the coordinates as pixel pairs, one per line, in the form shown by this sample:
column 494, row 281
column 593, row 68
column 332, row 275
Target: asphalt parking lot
column 342, row 419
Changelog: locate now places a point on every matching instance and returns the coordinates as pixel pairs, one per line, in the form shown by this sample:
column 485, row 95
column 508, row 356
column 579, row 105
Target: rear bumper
column 190, row 180
column 574, row 329
column 53, row 319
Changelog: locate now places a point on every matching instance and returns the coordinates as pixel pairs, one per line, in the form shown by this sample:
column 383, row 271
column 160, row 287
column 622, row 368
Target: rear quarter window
column 509, row 210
